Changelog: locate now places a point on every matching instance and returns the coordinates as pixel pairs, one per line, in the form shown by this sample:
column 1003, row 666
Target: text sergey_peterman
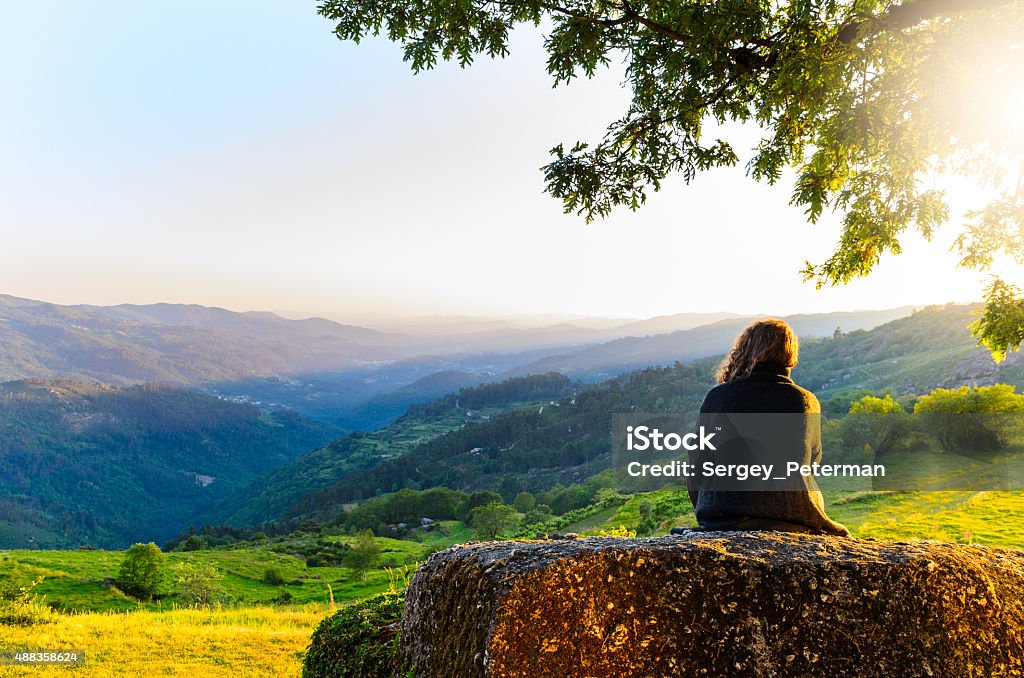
column 645, row 438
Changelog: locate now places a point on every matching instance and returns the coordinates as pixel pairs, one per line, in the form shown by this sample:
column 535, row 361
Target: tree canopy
column 197, row 584
column 866, row 100
column 490, row 520
column 142, row 570
column 364, row 553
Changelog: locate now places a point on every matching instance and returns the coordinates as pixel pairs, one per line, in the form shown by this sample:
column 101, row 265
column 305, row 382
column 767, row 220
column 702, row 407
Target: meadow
column 247, row 641
column 989, row 518
column 80, row 581
column 262, row 632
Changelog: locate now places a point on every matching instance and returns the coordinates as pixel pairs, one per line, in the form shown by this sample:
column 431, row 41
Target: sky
column 237, row 154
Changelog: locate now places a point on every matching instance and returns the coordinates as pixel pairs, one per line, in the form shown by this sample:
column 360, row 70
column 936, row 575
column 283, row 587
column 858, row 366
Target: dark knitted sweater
column 768, row 389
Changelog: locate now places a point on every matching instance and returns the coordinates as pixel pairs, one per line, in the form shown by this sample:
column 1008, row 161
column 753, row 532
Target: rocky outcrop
column 744, row 604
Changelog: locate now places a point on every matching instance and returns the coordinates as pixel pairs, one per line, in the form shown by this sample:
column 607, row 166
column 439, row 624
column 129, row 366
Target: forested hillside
column 383, row 408
column 536, row 448
column 929, row 349
column 270, row 497
column 83, row 463
column 529, row 448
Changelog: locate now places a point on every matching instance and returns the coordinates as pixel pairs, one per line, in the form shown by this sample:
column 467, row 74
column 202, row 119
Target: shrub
column 20, row 607
column 359, row 640
column 540, row 514
column 272, row 576
column 621, row 532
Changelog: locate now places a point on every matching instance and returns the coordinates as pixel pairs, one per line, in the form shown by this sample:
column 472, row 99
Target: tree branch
column 629, row 12
column 743, row 56
column 909, row 14
column 611, row 23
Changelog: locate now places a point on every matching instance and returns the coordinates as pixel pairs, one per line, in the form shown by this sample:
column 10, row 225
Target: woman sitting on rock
column 754, row 380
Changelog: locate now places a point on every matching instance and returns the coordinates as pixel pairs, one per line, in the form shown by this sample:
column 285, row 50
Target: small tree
column 197, row 583
column 364, row 553
column 464, row 511
column 193, row 542
column 492, row 519
column 525, row 502
column 540, row 513
column 142, row 570
column 874, row 426
column 972, row 421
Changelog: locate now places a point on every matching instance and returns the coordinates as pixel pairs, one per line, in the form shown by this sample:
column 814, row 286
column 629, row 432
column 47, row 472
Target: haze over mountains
column 610, row 358
column 468, row 333
column 351, row 376
column 173, row 343
column 194, row 345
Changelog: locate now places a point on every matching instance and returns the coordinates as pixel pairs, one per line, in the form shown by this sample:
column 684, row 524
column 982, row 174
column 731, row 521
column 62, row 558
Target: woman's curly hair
column 765, row 341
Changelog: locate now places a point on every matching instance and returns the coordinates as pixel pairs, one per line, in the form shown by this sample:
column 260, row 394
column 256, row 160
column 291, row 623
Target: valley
column 273, row 483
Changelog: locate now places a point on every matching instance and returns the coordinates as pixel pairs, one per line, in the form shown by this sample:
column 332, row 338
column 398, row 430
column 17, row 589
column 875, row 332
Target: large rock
column 716, row 603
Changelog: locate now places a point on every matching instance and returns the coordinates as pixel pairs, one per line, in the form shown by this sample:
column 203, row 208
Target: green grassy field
column 255, row 635
column 252, row 634
column 79, row 580
column 989, row 518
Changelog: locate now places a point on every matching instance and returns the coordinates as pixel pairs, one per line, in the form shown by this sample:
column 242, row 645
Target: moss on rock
column 750, row 604
column 358, row 640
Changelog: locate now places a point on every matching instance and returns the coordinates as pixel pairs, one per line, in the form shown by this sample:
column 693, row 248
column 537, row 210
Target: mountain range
column 610, row 358
column 171, row 343
column 352, row 376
